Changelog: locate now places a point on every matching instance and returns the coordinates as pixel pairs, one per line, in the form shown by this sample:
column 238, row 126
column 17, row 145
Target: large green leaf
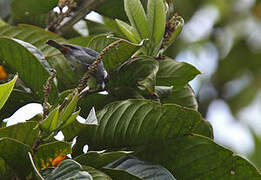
column 98, row 101
column 51, row 122
column 107, row 26
column 184, row 96
column 176, row 74
column 23, row 132
column 69, row 169
column 137, row 17
column 117, row 55
column 3, row 168
column 96, row 174
column 99, row 159
column 141, row 169
column 15, row 155
column 31, row 11
column 107, row 9
column 2, row 23
column 37, row 37
column 67, row 114
column 21, row 60
column 129, row 31
column 81, row 40
column 140, row 72
column 46, row 153
column 197, row 157
column 32, row 7
column 75, row 127
column 135, row 123
column 5, row 91
column 119, row 174
column 37, row 173
column 156, row 20
column 204, row 128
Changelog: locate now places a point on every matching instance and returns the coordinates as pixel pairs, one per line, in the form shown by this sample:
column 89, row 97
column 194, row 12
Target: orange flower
column 3, row 74
column 57, row 160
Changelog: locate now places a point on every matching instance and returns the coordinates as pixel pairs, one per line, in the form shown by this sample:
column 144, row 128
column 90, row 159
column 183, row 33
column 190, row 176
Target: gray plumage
column 84, row 56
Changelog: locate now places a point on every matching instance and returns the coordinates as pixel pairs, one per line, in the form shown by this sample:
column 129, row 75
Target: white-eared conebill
column 84, row 56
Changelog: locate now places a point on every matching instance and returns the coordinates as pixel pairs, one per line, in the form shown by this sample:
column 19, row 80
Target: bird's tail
column 55, row 45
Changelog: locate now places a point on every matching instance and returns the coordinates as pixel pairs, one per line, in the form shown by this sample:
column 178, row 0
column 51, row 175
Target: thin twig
column 95, row 64
column 47, row 89
column 86, row 7
column 54, row 24
column 36, row 144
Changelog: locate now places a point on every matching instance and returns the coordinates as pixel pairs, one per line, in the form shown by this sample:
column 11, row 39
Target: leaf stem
column 86, row 7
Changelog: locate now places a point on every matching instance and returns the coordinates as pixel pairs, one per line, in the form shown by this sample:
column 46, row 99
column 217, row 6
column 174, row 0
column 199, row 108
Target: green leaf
column 107, row 25
column 134, row 123
column 23, row 132
column 21, row 60
column 137, row 17
column 96, row 174
column 37, row 37
column 117, row 55
column 32, row 12
column 176, row 74
column 31, row 7
column 98, row 101
column 15, row 155
column 197, row 157
column 5, row 91
column 156, row 20
column 46, row 153
column 141, row 169
column 51, row 122
column 74, row 128
column 3, row 168
column 68, row 110
column 99, row 159
column 128, row 31
column 141, row 71
column 71, row 119
column 204, row 128
column 2, row 23
column 119, row 174
column 38, row 175
column 150, row 81
column 81, row 41
column 184, row 97
column 69, row 169
column 107, row 8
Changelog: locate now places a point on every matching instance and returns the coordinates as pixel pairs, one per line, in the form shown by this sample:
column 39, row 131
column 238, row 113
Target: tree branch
column 86, row 7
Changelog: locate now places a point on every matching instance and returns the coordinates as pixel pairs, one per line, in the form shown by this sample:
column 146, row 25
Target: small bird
column 84, row 56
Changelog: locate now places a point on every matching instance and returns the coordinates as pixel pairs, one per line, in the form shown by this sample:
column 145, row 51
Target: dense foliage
column 147, row 124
